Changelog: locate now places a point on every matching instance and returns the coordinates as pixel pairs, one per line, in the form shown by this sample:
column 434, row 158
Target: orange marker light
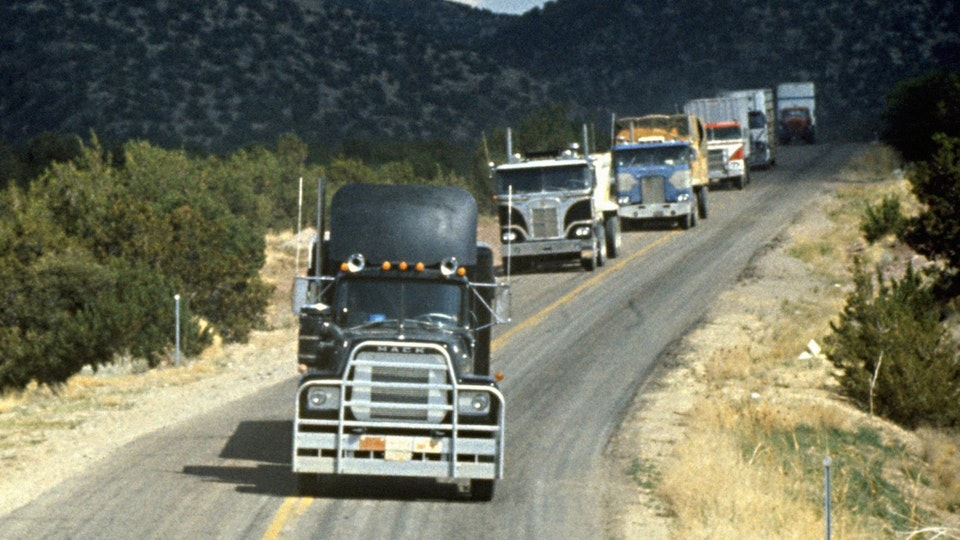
column 403, row 266
column 419, row 267
column 386, row 265
column 461, row 271
column 498, row 376
column 344, row 267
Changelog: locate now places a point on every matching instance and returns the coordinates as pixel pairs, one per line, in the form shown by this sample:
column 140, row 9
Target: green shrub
column 882, row 219
column 893, row 355
column 935, row 232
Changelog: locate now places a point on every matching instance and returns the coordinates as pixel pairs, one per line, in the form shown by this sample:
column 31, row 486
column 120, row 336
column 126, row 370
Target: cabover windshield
column 540, row 179
column 723, row 133
column 650, row 155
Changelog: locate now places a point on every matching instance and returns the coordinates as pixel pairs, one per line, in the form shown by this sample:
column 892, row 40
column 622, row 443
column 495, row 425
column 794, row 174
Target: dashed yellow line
column 294, row 507
column 291, row 509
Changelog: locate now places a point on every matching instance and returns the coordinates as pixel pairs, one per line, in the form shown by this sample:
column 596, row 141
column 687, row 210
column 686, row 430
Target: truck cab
column 726, row 154
column 796, row 124
column 394, row 342
column 661, row 168
column 556, row 206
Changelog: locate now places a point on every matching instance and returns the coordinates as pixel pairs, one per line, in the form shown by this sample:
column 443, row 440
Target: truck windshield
column 795, row 113
column 651, row 155
column 366, row 301
column 723, row 133
column 543, row 179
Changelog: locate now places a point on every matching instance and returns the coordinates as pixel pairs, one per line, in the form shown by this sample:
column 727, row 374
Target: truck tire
column 741, row 181
column 601, row 235
column 702, row 202
column 614, row 238
column 481, row 490
column 590, row 263
column 686, row 221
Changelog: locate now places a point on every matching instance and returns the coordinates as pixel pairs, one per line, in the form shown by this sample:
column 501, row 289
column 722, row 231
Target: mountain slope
column 218, row 75
column 633, row 56
column 223, row 74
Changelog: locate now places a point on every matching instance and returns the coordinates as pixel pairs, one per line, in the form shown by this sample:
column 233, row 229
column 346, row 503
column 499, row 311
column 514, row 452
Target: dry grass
column 282, row 259
column 717, row 492
column 750, row 464
column 942, row 452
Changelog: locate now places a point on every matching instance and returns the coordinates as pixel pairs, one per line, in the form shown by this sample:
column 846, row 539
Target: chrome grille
column 716, row 159
column 399, row 386
column 545, row 222
column 653, row 189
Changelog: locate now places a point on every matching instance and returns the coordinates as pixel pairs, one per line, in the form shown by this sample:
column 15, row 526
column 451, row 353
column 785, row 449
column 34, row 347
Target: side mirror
column 501, row 303
column 306, row 292
column 299, row 297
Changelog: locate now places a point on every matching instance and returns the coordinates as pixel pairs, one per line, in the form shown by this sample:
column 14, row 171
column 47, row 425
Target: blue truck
column 660, row 167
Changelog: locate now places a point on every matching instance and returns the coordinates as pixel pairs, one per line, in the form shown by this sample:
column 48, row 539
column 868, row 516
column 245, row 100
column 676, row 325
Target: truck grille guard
column 398, row 416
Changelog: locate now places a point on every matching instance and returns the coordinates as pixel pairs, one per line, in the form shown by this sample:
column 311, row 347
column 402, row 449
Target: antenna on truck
column 586, row 142
column 296, row 266
column 321, row 200
column 613, row 130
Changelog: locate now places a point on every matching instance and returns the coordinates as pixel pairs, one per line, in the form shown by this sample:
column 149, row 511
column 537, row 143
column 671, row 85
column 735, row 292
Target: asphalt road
column 579, row 348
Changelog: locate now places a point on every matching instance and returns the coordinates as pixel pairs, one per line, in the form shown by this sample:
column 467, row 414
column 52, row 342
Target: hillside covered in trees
column 217, row 76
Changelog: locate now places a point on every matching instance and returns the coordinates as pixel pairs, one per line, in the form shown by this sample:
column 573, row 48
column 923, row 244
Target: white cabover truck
column 763, row 126
column 726, row 120
column 556, row 206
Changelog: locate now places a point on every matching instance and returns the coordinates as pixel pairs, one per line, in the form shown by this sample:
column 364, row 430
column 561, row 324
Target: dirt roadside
column 740, row 320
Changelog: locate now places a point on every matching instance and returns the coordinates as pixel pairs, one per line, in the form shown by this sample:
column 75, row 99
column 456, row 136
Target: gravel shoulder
column 740, row 320
column 47, row 437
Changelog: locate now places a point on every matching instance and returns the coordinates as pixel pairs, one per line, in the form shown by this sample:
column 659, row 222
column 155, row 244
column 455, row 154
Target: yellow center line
column 542, row 314
column 293, row 507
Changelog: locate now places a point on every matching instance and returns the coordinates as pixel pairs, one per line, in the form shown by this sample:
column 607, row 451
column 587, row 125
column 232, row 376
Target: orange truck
column 796, row 112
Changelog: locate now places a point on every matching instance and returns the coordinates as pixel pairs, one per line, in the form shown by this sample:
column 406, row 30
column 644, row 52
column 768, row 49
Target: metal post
column 176, row 302
column 827, row 463
column 509, row 230
column 296, row 268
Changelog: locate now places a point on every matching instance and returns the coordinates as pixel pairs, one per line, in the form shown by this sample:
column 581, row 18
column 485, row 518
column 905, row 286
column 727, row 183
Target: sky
column 515, row 7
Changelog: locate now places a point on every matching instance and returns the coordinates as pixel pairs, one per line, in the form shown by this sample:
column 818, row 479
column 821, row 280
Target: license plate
column 399, row 447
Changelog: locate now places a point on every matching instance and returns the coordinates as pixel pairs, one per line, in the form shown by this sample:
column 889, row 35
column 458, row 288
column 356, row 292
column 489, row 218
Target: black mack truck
column 394, row 347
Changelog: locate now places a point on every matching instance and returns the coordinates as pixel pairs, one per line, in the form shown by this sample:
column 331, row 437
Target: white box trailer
column 796, row 111
column 763, row 125
column 726, row 120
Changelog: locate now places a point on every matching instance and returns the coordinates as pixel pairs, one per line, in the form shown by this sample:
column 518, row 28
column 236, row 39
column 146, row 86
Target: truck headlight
column 582, row 232
column 623, row 199
column 323, row 398
column 473, row 403
column 683, row 197
column 508, row 236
